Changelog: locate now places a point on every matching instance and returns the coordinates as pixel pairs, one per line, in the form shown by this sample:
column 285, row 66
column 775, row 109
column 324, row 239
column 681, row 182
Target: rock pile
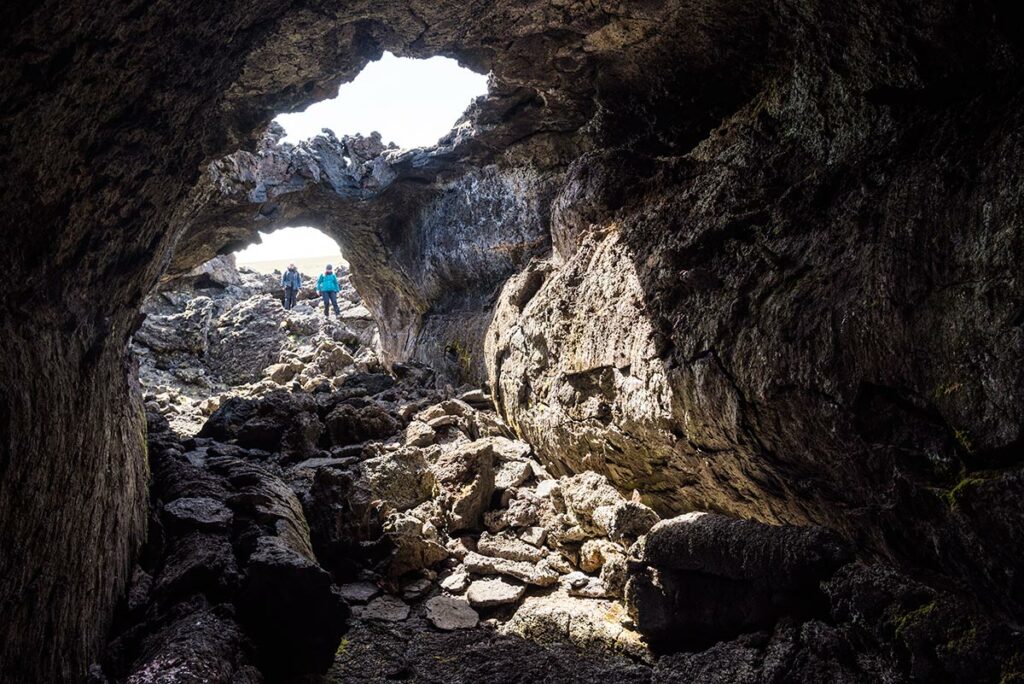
column 322, row 495
column 222, row 331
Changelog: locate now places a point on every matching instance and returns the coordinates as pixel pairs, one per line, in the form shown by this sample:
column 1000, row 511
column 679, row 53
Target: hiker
column 327, row 286
column 292, row 282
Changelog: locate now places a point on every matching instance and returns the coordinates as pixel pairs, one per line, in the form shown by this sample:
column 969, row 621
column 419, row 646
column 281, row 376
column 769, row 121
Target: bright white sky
column 290, row 243
column 411, row 102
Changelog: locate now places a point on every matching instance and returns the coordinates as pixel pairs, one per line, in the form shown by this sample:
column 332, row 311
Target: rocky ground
column 333, row 521
column 221, row 331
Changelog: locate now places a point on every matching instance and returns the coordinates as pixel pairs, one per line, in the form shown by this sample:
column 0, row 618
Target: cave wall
column 815, row 314
column 109, row 118
column 796, row 223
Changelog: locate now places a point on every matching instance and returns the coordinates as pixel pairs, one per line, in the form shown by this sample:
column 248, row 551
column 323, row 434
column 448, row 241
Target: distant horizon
column 310, row 265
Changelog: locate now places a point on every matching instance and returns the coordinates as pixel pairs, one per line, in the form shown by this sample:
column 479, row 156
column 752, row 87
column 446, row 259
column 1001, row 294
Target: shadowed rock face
column 812, row 313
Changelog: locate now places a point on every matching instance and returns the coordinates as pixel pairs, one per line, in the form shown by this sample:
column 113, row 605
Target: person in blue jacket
column 327, row 286
column 292, row 283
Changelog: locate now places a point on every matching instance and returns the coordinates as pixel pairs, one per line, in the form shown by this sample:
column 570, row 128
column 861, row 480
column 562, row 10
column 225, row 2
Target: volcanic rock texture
column 778, row 248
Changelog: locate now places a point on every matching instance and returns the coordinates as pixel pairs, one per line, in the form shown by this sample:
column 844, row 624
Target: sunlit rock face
column 783, row 242
column 813, row 315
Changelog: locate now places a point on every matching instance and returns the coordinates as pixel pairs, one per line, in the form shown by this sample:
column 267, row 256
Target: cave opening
column 247, row 323
column 410, row 102
column 771, row 207
column 228, row 327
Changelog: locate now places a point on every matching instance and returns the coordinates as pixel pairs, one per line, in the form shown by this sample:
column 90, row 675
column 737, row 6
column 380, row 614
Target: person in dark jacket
column 292, row 283
column 327, row 286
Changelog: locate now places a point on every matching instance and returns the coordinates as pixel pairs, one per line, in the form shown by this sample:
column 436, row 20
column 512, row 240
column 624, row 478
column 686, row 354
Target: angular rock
column 504, row 545
column 451, row 613
column 591, row 624
column 465, row 476
column 596, row 552
column 511, row 474
column 413, row 547
column 401, row 478
column 624, row 522
column 534, row 536
column 538, row 574
column 358, row 592
column 386, row 609
column 456, row 583
column 419, row 434
column 416, row 589
column 487, row 593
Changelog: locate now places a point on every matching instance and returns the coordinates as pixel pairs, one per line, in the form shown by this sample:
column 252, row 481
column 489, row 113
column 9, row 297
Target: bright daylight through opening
column 410, row 102
column 308, row 248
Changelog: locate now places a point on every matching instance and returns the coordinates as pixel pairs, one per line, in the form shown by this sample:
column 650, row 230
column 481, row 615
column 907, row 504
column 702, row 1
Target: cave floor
column 413, row 651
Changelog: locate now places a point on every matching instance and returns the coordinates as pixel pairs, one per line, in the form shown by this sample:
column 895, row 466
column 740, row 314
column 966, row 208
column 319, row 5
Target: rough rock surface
column 222, row 332
column 782, row 274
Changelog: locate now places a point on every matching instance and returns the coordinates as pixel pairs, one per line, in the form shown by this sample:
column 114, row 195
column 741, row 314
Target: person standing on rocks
column 292, row 283
column 327, row 286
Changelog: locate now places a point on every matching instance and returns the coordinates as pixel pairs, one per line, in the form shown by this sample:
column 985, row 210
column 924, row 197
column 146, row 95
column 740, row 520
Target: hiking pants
column 290, row 293
column 331, row 299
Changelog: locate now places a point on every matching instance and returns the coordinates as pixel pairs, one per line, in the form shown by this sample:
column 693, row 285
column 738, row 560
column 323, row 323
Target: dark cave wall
column 827, row 292
column 108, row 115
column 814, row 315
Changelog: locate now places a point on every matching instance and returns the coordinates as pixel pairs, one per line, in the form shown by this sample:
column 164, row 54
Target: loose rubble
column 333, row 496
column 222, row 331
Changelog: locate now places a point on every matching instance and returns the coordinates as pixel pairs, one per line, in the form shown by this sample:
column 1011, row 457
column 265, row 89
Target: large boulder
column 280, row 421
column 465, row 477
column 703, row 576
column 350, row 424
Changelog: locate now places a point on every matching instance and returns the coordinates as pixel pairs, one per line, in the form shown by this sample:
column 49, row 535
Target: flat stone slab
column 386, row 609
column 451, row 613
column 456, row 582
column 487, row 593
column 539, row 574
column 358, row 592
column 503, row 545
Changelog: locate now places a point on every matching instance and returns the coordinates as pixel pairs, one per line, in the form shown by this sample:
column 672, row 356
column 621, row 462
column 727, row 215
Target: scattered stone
column 465, row 476
column 386, row 609
column 358, row 592
column 511, row 474
column 414, row 547
column 419, row 434
column 401, row 478
column 614, row 575
column 504, row 545
column 548, row 488
column 584, row 586
column 456, row 583
column 534, row 536
column 416, row 590
column 591, row 624
column 442, row 422
column 595, row 553
column 477, row 398
column 625, row 521
column 451, row 613
column 486, row 593
column 539, row 574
